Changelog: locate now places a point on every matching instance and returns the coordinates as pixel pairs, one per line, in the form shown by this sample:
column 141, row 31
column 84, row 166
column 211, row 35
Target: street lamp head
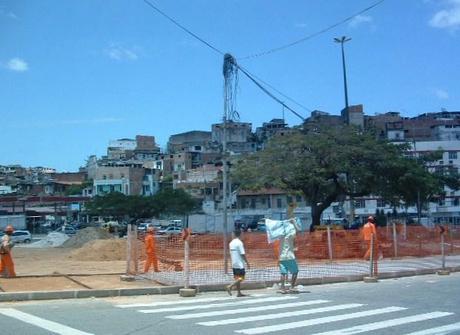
column 342, row 39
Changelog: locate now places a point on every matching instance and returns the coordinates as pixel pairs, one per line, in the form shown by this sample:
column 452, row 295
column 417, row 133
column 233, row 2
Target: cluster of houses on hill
column 192, row 161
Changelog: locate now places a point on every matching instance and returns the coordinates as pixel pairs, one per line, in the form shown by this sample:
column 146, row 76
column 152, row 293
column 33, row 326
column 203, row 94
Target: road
column 420, row 305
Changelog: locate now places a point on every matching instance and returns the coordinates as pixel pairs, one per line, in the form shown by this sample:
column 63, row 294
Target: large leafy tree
column 326, row 164
column 167, row 202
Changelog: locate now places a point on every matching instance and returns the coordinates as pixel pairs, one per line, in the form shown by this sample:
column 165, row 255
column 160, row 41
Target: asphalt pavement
column 421, row 305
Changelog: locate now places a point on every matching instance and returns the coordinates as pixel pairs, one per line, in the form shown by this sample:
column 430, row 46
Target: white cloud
column 441, row 94
column 360, row 19
column 17, row 64
column 10, row 14
column 120, row 53
column 448, row 18
column 301, row 25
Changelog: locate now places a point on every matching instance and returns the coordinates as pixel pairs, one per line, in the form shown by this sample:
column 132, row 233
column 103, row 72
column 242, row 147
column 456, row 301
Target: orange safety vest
column 150, row 244
column 368, row 230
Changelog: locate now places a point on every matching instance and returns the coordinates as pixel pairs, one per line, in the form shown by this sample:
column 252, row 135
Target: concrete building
column 123, row 177
column 276, row 127
column 191, row 141
column 354, row 115
column 239, row 137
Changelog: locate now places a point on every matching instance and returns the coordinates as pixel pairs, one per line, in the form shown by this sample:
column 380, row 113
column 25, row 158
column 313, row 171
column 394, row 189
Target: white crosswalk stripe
column 443, row 330
column 279, row 315
column 386, row 324
column 188, row 301
column 212, row 312
column 209, row 306
column 246, row 310
column 318, row 321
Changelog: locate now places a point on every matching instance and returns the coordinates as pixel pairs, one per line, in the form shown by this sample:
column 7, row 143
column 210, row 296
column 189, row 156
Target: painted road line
column 279, row 315
column 387, row 323
column 236, row 303
column 41, row 323
column 179, row 302
column 245, row 310
column 443, row 330
column 318, row 321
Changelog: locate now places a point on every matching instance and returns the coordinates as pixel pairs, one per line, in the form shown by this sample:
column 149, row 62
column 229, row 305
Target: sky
column 76, row 74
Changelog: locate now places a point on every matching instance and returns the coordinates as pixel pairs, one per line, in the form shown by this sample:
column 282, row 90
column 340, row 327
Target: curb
column 106, row 293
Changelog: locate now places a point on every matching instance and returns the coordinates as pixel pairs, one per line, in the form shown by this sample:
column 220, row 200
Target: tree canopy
column 165, row 202
column 328, row 163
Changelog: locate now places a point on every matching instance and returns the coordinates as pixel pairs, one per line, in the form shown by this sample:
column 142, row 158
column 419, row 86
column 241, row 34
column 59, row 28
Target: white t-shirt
column 236, row 250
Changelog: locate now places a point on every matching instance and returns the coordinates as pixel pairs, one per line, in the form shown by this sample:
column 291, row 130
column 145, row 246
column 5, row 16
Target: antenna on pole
column 230, row 72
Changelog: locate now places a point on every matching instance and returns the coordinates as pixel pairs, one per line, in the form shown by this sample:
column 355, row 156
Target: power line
column 247, row 73
column 183, row 28
column 269, row 93
column 276, row 90
column 322, row 31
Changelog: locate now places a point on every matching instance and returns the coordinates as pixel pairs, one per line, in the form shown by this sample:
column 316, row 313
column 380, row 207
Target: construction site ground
column 55, row 269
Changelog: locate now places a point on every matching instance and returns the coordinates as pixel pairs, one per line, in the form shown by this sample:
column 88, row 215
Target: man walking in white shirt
column 238, row 256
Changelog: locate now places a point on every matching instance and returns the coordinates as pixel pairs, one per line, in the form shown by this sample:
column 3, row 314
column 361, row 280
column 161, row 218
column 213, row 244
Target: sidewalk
column 60, row 286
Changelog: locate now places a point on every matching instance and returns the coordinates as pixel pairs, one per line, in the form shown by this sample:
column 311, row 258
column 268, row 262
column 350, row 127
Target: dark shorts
column 239, row 273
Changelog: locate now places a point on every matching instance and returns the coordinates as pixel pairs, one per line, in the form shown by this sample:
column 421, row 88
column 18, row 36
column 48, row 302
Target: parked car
column 69, row 230
column 21, row 236
column 169, row 230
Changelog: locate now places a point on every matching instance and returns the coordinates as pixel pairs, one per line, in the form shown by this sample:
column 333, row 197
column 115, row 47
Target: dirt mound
column 52, row 240
column 85, row 235
column 101, row 250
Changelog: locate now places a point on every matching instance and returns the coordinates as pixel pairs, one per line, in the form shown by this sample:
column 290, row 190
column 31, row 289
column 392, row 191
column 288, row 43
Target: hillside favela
column 230, row 167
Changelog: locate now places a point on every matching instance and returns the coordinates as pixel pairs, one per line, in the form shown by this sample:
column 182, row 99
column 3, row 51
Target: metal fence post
column 395, row 240
column 329, row 243
column 186, row 263
column 128, row 250
column 371, row 272
column 372, row 278
column 443, row 270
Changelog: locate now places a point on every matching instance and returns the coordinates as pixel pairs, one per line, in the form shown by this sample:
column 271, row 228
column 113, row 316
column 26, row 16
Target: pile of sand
column 101, row 250
column 52, row 240
column 85, row 235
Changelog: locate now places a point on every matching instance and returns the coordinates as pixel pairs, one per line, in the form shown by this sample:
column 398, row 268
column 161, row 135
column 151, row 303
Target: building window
column 253, row 203
column 279, row 203
column 381, row 203
column 360, row 203
column 456, row 202
column 289, row 199
column 452, row 155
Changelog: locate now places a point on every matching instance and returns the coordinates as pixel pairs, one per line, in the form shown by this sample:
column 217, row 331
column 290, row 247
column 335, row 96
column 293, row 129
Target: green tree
column 118, row 205
column 325, row 164
column 174, row 202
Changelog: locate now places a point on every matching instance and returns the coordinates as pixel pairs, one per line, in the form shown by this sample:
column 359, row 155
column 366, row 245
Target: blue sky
column 76, row 74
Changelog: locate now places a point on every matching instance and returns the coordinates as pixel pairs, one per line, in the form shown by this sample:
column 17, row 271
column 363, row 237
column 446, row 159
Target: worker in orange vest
column 368, row 233
column 150, row 250
column 6, row 261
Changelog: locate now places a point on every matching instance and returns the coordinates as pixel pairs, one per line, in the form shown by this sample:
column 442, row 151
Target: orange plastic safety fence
column 319, row 254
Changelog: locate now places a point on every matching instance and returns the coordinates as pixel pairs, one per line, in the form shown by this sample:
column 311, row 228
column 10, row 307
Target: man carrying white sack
column 285, row 232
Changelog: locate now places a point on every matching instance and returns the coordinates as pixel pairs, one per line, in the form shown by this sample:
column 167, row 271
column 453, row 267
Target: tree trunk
column 315, row 216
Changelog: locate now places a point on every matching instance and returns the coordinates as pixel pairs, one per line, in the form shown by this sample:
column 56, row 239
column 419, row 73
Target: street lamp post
column 342, row 40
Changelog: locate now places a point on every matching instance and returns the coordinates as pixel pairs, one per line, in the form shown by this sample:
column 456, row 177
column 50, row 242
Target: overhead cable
column 270, row 94
column 306, row 38
column 183, row 28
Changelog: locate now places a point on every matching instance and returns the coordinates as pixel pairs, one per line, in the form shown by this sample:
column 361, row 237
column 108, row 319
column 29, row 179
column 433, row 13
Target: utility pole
column 342, row 40
column 229, row 72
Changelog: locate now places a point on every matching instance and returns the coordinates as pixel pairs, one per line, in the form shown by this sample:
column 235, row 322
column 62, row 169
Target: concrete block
column 127, row 278
column 187, row 292
column 370, row 279
column 443, row 272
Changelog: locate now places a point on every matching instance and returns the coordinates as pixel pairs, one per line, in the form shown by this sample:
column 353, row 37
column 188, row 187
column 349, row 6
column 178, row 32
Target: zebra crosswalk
column 266, row 314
